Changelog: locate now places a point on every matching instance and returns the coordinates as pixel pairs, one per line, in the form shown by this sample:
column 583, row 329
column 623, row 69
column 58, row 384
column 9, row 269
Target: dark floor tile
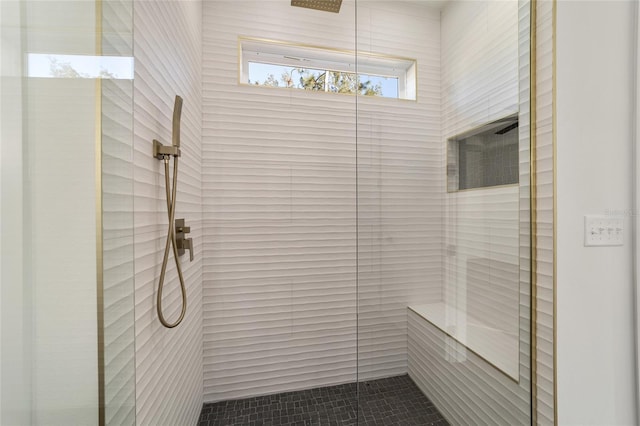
column 385, row 402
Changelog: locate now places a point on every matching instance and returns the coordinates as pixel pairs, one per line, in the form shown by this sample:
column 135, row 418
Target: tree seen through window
column 261, row 74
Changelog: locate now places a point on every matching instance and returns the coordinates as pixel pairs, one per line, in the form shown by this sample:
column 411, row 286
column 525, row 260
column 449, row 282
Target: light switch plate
column 603, row 231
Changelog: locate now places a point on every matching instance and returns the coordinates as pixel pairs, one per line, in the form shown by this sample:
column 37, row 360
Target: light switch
column 603, row 231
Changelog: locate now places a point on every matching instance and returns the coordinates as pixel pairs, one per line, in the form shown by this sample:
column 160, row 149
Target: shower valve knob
column 183, row 243
column 187, row 244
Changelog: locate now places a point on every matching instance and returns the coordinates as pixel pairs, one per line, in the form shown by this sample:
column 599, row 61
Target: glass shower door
column 443, row 212
column 67, row 286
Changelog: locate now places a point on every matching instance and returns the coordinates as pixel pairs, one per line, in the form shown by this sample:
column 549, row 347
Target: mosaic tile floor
column 395, row 401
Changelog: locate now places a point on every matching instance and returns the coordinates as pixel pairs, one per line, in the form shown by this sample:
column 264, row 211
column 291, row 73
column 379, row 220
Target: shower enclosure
column 356, row 184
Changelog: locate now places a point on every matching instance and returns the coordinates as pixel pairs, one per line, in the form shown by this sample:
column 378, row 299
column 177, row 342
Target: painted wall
column 595, row 83
column 279, row 201
column 167, row 47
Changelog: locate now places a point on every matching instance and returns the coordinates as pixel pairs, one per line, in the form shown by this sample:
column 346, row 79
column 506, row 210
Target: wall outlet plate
column 603, row 231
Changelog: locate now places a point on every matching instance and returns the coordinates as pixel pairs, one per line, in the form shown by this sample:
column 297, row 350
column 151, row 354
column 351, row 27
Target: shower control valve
column 183, row 243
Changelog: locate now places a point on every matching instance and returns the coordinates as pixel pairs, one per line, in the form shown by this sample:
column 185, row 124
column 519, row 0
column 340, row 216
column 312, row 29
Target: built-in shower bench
column 497, row 347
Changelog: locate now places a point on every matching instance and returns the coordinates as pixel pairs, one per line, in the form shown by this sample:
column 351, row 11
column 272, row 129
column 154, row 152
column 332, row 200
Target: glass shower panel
column 280, row 208
column 443, row 212
column 399, row 205
column 15, row 298
column 67, row 283
column 117, row 361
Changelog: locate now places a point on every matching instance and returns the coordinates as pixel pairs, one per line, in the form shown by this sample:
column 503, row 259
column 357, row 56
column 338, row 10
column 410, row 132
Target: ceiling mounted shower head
column 326, row 5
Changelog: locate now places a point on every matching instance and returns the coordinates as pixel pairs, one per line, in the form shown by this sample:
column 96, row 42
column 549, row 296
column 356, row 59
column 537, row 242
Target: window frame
column 297, row 55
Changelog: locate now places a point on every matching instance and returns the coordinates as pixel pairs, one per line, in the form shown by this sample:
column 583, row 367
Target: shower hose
column 171, row 242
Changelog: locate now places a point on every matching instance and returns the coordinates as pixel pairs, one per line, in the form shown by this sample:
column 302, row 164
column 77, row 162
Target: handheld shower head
column 162, row 152
column 177, row 112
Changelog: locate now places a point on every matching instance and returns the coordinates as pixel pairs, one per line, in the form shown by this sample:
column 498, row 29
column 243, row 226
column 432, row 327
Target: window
column 277, row 64
column 53, row 65
column 484, row 157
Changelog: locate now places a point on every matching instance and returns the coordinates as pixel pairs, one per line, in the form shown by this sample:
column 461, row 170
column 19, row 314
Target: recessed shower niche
column 484, row 157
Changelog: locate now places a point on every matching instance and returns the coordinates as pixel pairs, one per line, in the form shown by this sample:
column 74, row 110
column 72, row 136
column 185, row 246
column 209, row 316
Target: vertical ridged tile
column 167, row 49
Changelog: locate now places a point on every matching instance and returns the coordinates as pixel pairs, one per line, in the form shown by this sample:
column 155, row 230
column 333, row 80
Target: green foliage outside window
column 322, row 81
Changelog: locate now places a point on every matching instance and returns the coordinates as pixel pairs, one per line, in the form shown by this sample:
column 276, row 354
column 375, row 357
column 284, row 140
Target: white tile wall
column 167, row 47
column 117, row 219
column 270, row 185
column 279, row 212
column 479, row 85
column 545, row 401
column 467, row 393
column 400, row 183
column 118, row 253
column 279, row 194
